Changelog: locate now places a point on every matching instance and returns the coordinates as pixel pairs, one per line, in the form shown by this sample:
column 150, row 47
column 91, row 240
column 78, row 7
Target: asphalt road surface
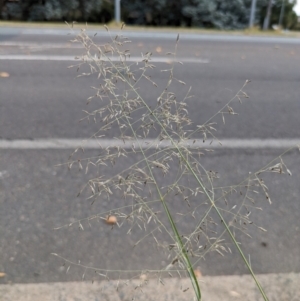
column 42, row 99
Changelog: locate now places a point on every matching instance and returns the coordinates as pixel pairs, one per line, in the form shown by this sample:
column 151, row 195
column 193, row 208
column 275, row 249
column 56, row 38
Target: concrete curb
column 283, row 287
column 169, row 29
column 151, row 34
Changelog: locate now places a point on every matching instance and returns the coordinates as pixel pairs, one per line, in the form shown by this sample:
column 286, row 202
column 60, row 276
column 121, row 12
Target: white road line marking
column 40, row 45
column 148, row 143
column 72, row 58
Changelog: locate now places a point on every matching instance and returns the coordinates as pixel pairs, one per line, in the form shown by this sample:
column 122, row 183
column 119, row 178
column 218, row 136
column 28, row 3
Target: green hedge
column 222, row 14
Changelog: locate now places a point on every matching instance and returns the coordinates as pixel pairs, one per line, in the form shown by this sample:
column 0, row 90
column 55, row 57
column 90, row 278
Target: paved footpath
column 281, row 287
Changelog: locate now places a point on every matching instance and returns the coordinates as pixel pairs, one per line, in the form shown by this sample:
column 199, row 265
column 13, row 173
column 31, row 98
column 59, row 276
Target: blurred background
column 234, row 14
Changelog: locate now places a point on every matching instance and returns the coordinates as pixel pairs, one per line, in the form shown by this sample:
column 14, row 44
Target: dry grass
column 168, row 183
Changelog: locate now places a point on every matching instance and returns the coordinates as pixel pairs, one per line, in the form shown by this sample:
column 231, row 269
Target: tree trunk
column 268, row 16
column 252, row 13
column 1, row 5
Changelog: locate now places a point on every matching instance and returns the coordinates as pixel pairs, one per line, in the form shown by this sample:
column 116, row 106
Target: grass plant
column 169, row 172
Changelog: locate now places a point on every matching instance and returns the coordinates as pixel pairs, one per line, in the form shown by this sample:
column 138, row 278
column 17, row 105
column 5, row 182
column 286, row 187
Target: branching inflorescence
column 168, row 173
